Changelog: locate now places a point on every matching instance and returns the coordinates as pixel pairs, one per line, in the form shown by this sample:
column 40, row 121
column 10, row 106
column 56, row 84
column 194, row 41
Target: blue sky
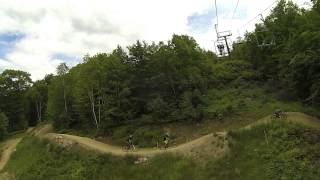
column 69, row 59
column 204, row 21
column 201, row 22
column 7, row 42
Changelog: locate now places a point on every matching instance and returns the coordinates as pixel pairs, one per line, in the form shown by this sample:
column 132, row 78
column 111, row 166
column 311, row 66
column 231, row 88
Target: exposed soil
column 8, row 148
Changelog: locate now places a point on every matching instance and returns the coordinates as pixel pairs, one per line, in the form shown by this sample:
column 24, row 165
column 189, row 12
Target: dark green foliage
column 292, row 64
column 13, row 86
column 37, row 97
column 151, row 84
column 3, row 125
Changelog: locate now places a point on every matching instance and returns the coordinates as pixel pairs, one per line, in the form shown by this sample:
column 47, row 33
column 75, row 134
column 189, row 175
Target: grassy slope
column 250, row 157
column 36, row 159
column 293, row 151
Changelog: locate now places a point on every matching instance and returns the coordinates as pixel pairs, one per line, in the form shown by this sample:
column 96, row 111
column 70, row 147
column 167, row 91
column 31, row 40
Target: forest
column 156, row 83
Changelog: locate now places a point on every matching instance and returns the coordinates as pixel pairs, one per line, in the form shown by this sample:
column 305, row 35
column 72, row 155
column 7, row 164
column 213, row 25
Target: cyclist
column 166, row 140
column 130, row 142
column 277, row 113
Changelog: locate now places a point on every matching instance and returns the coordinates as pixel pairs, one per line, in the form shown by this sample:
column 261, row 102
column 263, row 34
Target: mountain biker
column 277, row 113
column 130, row 142
column 166, row 140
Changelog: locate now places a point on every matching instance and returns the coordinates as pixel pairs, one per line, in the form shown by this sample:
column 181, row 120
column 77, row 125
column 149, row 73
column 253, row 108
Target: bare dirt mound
column 295, row 117
column 304, row 119
column 42, row 129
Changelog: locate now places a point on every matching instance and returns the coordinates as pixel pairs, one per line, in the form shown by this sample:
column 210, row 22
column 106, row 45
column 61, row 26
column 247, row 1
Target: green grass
column 292, row 152
column 38, row 159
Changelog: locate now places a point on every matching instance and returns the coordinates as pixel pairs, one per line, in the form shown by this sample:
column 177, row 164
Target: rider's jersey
column 129, row 140
column 166, row 139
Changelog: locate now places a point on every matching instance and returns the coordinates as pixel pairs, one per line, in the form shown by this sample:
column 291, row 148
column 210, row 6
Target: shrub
column 3, row 125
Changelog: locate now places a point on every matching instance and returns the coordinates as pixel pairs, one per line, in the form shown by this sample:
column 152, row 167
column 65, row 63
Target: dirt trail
column 205, row 145
column 295, row 117
column 8, row 148
column 211, row 144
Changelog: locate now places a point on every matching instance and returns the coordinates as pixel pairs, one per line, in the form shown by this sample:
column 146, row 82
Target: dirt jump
column 295, row 117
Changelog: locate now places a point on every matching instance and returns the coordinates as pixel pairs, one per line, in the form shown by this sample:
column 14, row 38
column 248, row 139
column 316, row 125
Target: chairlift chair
column 221, row 48
column 265, row 38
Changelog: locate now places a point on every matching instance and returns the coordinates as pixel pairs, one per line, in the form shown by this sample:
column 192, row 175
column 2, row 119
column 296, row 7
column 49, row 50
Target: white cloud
column 74, row 27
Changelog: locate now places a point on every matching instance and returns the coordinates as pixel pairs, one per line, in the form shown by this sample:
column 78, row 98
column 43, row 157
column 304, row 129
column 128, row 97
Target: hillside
column 211, row 110
column 297, row 140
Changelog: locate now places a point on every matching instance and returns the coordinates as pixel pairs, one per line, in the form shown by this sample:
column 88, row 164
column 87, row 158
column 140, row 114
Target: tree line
column 168, row 81
column 148, row 83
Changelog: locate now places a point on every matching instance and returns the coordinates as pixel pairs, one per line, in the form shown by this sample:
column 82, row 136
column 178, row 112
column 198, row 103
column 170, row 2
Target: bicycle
column 129, row 147
column 279, row 115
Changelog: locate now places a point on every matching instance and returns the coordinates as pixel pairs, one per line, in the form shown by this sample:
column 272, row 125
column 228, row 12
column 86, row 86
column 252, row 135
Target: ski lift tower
column 222, row 42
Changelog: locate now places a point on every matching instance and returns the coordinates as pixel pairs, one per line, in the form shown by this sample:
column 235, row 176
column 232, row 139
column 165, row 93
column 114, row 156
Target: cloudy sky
column 36, row 35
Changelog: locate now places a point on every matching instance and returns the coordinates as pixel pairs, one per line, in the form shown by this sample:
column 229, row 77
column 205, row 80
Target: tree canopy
column 169, row 81
column 292, row 63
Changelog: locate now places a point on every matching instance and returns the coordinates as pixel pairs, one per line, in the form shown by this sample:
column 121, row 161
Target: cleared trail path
column 9, row 147
column 295, row 117
column 209, row 144
column 188, row 148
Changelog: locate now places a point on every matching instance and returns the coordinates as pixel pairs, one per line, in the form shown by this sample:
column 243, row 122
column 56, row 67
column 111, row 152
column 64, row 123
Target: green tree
column 13, row 86
column 37, row 97
column 62, row 70
column 291, row 65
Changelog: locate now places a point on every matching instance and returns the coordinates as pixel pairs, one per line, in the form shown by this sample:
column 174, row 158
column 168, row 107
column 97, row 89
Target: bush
column 62, row 121
column 287, row 95
column 3, row 126
column 147, row 137
column 159, row 108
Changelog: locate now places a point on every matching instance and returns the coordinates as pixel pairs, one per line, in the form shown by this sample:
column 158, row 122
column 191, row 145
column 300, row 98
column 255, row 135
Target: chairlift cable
column 235, row 9
column 258, row 14
column 215, row 4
